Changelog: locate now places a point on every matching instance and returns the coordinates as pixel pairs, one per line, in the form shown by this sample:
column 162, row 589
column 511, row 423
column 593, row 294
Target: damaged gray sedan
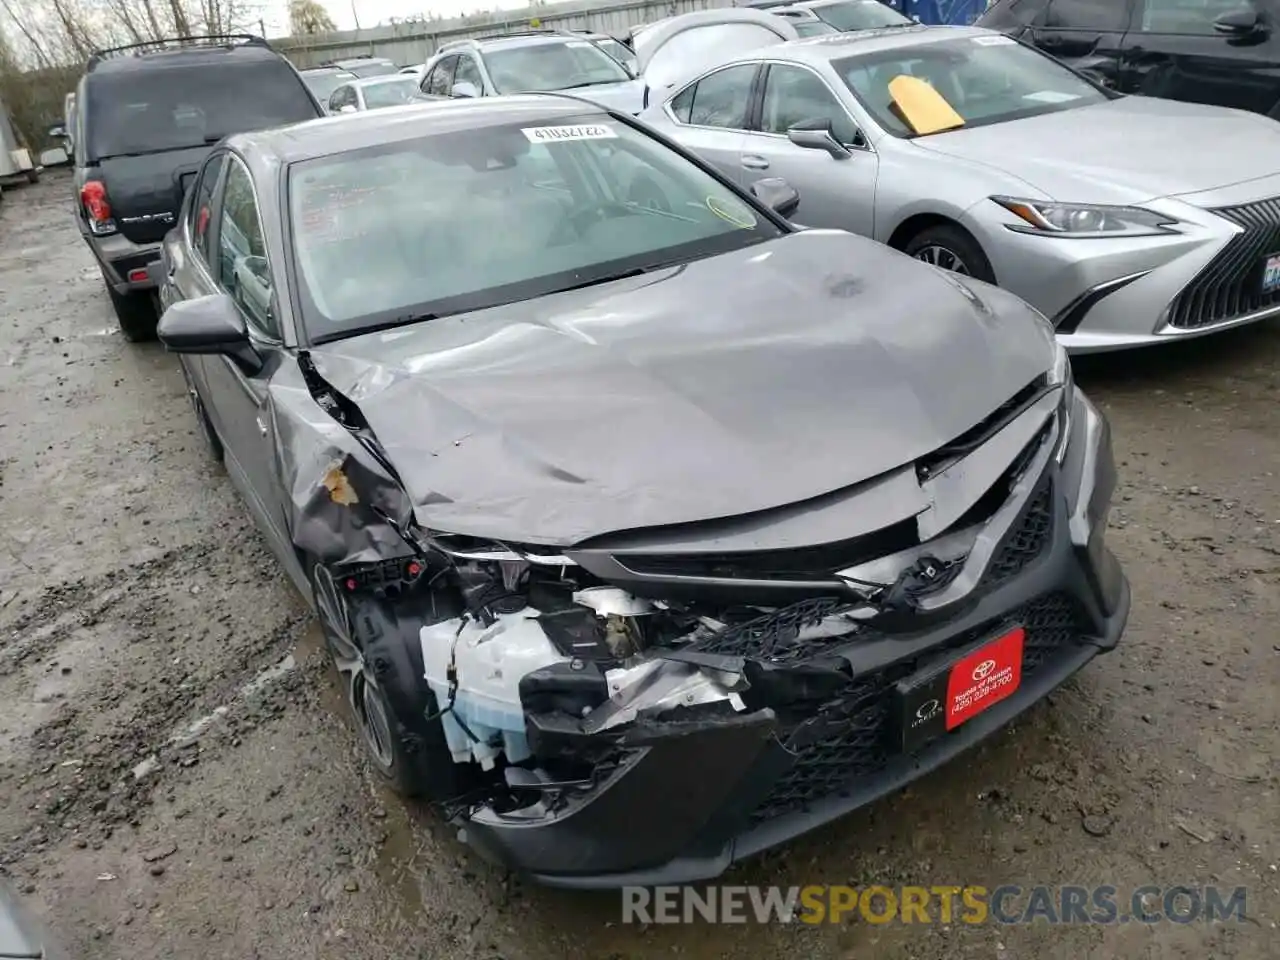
column 646, row 529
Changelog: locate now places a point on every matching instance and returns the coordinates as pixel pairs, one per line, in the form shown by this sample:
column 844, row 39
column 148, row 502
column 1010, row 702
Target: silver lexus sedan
column 1126, row 220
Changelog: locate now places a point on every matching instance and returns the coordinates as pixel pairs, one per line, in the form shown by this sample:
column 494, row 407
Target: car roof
column 183, row 57
column 833, row 46
column 356, row 131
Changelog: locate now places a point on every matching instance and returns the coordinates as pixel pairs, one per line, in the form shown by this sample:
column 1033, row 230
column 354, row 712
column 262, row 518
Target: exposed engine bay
column 545, row 671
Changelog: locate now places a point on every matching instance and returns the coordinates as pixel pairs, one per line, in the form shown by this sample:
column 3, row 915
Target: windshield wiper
column 589, row 83
column 610, row 277
column 401, row 321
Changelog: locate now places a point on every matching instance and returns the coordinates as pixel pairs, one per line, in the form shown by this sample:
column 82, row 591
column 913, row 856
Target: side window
column 202, row 203
column 341, row 97
column 243, row 270
column 718, row 99
column 467, row 72
column 1186, row 16
column 439, row 81
column 794, row 95
column 1104, row 16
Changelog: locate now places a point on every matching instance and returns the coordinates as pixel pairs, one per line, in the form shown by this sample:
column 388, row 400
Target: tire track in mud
column 97, row 740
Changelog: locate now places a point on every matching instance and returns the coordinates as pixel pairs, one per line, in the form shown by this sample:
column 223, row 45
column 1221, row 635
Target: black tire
column 954, row 245
column 136, row 314
column 386, row 689
column 33, row 175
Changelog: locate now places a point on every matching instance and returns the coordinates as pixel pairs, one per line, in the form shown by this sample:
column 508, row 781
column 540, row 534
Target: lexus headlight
column 1075, row 220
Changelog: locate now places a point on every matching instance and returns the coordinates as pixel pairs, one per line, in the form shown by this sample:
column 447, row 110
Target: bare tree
column 308, row 17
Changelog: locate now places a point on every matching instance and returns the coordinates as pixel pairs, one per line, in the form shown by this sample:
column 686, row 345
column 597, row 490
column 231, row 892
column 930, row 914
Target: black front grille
column 799, row 563
column 1230, row 285
column 1025, row 542
column 854, row 736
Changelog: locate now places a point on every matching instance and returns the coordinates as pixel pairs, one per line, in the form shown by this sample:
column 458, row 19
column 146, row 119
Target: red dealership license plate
column 945, row 695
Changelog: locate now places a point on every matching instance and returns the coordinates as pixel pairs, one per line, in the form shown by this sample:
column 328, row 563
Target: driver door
column 837, row 193
column 237, row 401
column 1173, row 50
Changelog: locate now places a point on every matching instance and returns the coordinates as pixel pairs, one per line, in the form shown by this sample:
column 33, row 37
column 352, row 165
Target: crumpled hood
column 626, row 96
column 1128, row 150
column 726, row 386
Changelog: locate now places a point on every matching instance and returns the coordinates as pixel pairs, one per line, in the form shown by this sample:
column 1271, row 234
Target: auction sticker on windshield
column 575, row 131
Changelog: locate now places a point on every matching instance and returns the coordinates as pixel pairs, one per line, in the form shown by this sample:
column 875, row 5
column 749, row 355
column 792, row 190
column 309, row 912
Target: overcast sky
column 372, row 12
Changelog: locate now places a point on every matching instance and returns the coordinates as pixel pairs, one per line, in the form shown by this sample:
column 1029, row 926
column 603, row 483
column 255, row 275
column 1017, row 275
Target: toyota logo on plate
column 927, row 709
column 983, row 670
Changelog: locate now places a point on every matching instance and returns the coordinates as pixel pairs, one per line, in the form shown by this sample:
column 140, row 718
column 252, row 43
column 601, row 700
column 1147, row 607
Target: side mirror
column 464, row 88
column 1239, row 23
column 58, row 132
column 347, row 108
column 776, row 194
column 209, row 325
column 817, row 135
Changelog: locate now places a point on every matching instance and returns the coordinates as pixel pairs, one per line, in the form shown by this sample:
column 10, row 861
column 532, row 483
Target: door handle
column 753, row 162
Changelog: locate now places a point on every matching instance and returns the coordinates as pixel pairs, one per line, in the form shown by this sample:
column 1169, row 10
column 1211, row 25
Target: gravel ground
column 178, row 779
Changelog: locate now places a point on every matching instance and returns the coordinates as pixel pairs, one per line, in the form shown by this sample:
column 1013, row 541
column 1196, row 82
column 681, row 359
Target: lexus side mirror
column 817, row 135
column 465, row 88
column 347, row 108
column 776, row 194
column 1239, row 23
column 209, row 325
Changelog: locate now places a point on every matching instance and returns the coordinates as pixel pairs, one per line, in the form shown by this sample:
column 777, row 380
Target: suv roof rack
column 528, row 32
column 176, row 43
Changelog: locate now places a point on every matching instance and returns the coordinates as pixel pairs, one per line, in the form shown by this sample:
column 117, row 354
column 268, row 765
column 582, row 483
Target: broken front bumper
column 688, row 797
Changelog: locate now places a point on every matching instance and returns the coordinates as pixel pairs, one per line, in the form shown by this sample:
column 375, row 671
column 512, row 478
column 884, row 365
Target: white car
column 371, row 93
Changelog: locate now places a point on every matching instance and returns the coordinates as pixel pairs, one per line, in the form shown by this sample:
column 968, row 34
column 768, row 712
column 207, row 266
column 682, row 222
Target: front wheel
column 374, row 646
column 951, row 248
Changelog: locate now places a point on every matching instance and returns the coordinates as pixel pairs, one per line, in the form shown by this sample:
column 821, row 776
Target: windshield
column 860, row 15
column 392, row 92
column 171, row 108
column 551, row 66
column 617, row 50
column 985, row 79
column 323, row 84
column 468, row 220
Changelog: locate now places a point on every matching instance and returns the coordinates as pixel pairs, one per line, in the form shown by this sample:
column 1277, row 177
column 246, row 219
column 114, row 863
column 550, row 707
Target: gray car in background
column 1126, row 220
column 322, row 81
column 643, row 535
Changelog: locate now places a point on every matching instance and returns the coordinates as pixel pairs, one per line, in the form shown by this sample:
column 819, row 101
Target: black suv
column 1221, row 52
column 146, row 116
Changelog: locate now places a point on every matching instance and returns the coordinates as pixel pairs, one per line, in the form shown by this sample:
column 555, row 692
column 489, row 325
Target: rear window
column 171, row 108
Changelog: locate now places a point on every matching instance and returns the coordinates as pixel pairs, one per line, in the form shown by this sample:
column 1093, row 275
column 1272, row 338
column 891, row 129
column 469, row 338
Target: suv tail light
column 93, row 197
